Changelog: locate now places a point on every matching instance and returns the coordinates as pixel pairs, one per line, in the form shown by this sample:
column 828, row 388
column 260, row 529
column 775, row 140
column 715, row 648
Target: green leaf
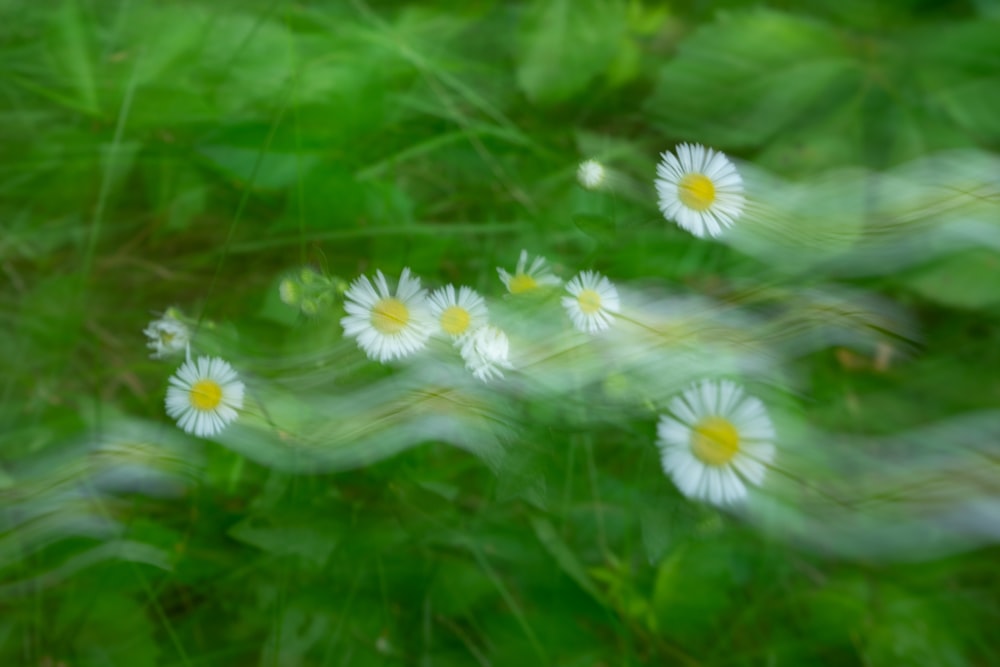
column 258, row 157
column 566, row 44
column 910, row 630
column 955, row 66
column 742, row 79
column 299, row 630
column 289, row 535
column 248, row 59
column 965, row 280
column 258, row 168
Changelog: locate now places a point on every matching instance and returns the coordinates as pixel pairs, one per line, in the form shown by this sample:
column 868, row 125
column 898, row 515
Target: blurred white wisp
column 318, row 418
column 80, row 491
column 806, row 319
column 337, row 411
column 661, row 341
column 921, row 494
column 858, row 222
column 333, row 409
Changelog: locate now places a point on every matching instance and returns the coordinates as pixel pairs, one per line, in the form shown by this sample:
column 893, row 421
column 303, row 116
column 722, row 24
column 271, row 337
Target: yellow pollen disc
column 390, row 315
column 522, row 282
column 166, row 337
column 455, row 320
column 590, row 301
column 696, row 191
column 714, row 441
column 205, row 395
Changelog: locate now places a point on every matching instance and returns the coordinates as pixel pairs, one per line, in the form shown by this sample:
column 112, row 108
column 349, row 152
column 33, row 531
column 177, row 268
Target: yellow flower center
column 205, row 395
column 715, row 441
column 696, row 191
column 390, row 315
column 455, row 320
column 522, row 282
column 166, row 337
column 590, row 301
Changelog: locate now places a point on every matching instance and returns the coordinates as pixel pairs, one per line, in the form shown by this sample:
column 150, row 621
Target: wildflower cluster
column 714, row 439
column 205, row 393
column 390, row 323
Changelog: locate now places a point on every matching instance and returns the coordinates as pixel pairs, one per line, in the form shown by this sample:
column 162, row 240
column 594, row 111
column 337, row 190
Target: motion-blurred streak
column 856, row 222
column 341, row 429
column 57, row 505
column 915, row 495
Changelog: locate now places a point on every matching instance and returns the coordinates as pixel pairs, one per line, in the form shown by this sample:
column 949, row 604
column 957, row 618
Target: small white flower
column 204, row 396
column 387, row 326
column 714, row 441
column 592, row 303
column 167, row 336
column 699, row 189
column 485, row 352
column 527, row 279
column 457, row 314
column 590, row 174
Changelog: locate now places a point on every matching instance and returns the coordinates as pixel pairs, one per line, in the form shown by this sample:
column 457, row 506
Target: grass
column 195, row 154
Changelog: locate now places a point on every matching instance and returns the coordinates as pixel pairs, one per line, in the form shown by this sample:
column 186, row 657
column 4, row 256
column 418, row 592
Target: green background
column 195, row 153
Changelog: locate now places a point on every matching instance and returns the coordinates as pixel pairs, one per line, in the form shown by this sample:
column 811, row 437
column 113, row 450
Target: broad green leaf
column 958, row 68
column 566, row 44
column 748, row 76
column 248, row 60
column 294, row 634
column 909, row 630
column 257, row 167
column 836, row 139
column 965, row 280
column 259, row 157
column 289, row 535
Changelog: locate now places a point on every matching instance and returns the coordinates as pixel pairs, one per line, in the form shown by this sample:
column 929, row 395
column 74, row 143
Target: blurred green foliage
column 195, row 152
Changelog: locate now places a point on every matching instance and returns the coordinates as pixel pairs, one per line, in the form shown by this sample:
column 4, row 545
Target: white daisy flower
column 485, row 352
column 592, row 303
column 714, row 441
column 167, row 336
column 699, row 189
column 204, row 396
column 526, row 280
column 457, row 314
column 387, row 326
column 590, row 174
